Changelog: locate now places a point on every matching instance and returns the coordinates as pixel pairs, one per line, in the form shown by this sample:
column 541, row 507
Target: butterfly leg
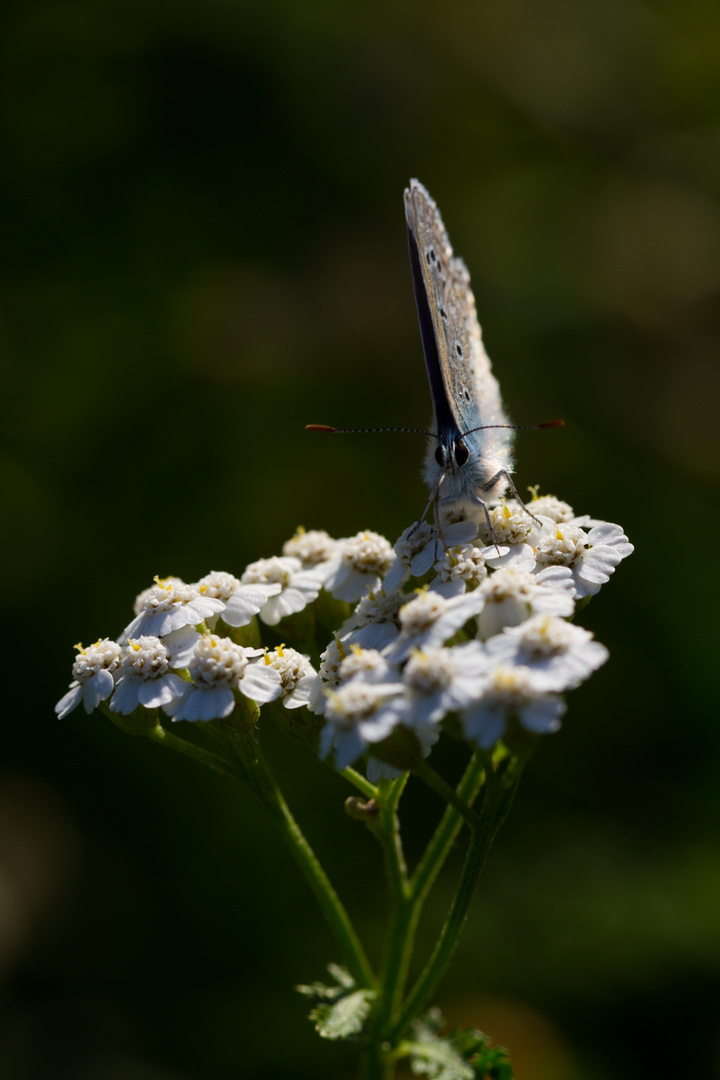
column 477, row 501
column 506, row 475
column 438, row 527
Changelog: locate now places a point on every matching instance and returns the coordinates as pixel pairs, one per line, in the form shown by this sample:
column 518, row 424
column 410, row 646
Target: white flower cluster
column 442, row 626
column 485, row 637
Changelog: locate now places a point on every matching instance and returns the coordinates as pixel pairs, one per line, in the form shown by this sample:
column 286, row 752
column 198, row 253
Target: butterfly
column 468, row 463
column 469, row 460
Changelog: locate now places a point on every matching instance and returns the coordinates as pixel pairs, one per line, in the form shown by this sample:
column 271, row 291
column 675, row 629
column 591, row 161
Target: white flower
column 366, row 665
column 374, row 623
column 169, row 605
column 241, row 601
column 459, row 567
column 430, row 619
column 418, row 548
column 218, row 667
column 330, row 662
column 93, row 681
column 551, row 507
column 510, row 524
column 510, row 691
column 513, row 594
column 559, row 654
column 315, row 549
column 342, row 662
column 301, row 684
column 519, row 556
column 592, row 557
column 442, row 680
column 364, row 560
column 298, row 587
column 358, row 714
column 144, row 677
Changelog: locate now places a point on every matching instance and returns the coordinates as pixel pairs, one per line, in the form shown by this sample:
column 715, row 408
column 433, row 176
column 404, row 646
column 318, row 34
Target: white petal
column 543, row 714
column 125, row 698
column 306, row 691
column 70, row 701
column 484, row 726
column 206, row 704
column 425, row 558
column 98, row 687
column 395, row 577
column 246, row 601
column 261, row 683
column 348, row 746
column 154, row 693
column 180, row 645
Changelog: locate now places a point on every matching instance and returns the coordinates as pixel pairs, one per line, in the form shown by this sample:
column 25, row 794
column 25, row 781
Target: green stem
column 500, row 790
column 446, row 833
column 376, row 1063
column 427, row 774
column 370, row 791
column 330, row 903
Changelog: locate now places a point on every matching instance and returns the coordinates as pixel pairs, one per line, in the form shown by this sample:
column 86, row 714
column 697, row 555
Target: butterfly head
column 461, row 472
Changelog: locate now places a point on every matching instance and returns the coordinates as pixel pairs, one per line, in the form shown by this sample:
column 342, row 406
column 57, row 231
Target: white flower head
column 217, row 668
column 374, row 623
column 298, row 587
column 591, row 556
column 430, row 619
column 93, row 681
column 367, row 665
column 242, row 602
column 442, row 680
column 510, row 691
column 300, row 682
column 356, row 715
column 558, row 654
column 363, row 561
column 459, row 568
column 169, row 605
column 144, row 676
column 551, row 507
column 511, row 524
column 513, row 594
column 419, row 546
column 315, row 549
column 330, row 662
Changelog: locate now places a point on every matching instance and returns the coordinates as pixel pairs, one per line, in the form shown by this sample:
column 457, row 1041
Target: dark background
column 204, row 250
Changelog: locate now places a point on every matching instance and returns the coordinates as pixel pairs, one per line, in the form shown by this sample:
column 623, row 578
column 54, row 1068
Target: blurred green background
column 204, row 249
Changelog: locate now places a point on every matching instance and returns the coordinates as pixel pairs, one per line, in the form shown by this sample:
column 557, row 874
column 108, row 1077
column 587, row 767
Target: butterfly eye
column 461, row 453
column 441, row 456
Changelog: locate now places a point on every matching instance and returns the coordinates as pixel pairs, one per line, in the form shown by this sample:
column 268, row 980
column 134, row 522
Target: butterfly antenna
column 516, row 427
column 366, row 430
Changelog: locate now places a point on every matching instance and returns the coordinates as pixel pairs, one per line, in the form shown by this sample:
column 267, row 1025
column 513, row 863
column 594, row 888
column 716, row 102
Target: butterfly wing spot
column 458, row 349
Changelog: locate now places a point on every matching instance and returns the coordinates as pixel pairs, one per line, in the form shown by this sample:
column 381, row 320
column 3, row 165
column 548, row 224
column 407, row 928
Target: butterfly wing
column 465, row 392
